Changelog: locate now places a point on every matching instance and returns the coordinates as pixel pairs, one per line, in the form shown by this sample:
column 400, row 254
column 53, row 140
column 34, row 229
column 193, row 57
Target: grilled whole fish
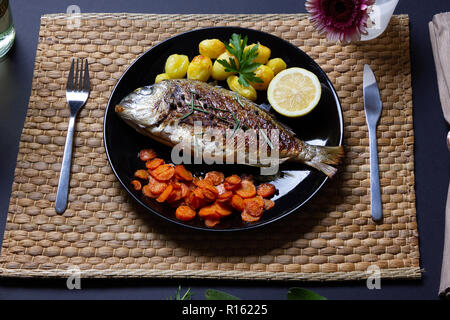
column 166, row 112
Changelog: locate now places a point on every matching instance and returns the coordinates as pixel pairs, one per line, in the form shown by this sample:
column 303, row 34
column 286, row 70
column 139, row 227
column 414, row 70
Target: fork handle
column 375, row 193
column 64, row 177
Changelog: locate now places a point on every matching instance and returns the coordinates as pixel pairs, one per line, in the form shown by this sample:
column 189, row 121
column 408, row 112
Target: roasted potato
column 211, row 48
column 247, row 92
column 200, row 68
column 218, row 71
column 176, row 66
column 276, row 64
column 162, row 76
column 263, row 53
column 265, row 74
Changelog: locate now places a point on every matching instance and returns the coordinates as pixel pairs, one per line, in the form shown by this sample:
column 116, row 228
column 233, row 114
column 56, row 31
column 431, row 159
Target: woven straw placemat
column 104, row 234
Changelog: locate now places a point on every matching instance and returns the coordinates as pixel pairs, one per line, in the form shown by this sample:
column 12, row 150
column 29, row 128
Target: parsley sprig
column 245, row 66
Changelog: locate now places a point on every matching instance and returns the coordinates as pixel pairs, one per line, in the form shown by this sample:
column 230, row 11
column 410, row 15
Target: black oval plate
column 296, row 183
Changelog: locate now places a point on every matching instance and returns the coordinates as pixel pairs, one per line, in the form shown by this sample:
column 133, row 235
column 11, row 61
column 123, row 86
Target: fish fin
column 325, row 157
column 330, row 155
column 325, row 168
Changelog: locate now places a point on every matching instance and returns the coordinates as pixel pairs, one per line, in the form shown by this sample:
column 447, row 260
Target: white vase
column 380, row 15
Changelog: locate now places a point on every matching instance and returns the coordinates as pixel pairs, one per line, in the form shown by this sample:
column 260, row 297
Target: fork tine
column 86, row 82
column 80, row 76
column 70, row 77
column 75, row 86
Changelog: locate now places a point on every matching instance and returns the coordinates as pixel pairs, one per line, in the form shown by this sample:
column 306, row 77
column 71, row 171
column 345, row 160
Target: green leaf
column 303, row 294
column 187, row 295
column 212, row 294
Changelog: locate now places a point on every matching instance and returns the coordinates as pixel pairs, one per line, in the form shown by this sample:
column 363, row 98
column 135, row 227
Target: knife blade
column 373, row 108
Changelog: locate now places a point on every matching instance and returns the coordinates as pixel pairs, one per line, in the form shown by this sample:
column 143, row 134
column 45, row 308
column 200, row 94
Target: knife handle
column 375, row 193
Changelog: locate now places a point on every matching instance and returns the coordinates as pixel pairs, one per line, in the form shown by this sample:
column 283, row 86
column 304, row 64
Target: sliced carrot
column 185, row 213
column 156, row 187
column 136, row 185
column 237, row 203
column 195, row 202
column 163, row 172
column 165, row 194
column 198, row 192
column 223, row 209
column 141, row 174
column 147, row 154
column 195, row 180
column 268, row 204
column 184, row 190
column 247, row 189
column 215, row 177
column 234, row 179
column 254, row 206
column 209, row 212
column 225, row 197
column 209, row 191
column 182, row 173
column 211, row 222
column 246, row 217
column 175, row 195
column 266, row 190
column 146, row 190
column 153, row 164
column 204, row 183
column 230, row 187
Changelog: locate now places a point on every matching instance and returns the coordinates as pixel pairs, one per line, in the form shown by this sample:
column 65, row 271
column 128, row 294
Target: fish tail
column 325, row 157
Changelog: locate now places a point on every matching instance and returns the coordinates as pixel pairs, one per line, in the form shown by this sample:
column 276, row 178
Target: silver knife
column 373, row 107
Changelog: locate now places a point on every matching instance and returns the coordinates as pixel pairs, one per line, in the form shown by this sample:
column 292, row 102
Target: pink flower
column 341, row 20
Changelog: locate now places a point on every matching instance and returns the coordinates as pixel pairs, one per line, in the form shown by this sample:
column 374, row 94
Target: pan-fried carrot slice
column 247, row 189
column 198, row 192
column 175, row 195
column 165, row 194
column 154, row 163
column 246, row 217
column 146, row 190
column 209, row 212
column 234, row 179
column 266, row 190
column 230, row 187
column 254, row 206
column 211, row 222
column 195, row 202
column 237, row 202
column 136, row 185
column 209, row 191
column 225, row 197
column 268, row 204
column 223, row 209
column 232, row 182
column 183, row 174
column 163, row 172
column 141, row 174
column 147, row 154
column 156, row 187
column 185, row 213
column 184, row 190
column 215, row 177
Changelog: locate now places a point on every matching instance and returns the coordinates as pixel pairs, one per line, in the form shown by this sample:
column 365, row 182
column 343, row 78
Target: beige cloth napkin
column 440, row 42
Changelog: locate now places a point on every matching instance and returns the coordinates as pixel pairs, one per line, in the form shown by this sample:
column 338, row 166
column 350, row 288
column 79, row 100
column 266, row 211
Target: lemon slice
column 294, row 92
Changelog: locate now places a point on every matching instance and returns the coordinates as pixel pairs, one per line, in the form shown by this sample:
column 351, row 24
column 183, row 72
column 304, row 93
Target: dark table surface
column 431, row 168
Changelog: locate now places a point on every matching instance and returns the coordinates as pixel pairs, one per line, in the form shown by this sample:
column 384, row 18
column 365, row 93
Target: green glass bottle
column 7, row 32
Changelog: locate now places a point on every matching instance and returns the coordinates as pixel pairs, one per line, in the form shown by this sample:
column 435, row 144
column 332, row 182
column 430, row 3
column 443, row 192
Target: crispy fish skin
column 160, row 111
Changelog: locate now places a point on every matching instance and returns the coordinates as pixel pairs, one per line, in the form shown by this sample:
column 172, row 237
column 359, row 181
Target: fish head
column 147, row 106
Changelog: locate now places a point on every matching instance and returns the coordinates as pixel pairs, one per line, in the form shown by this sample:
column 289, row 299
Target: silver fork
column 77, row 93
